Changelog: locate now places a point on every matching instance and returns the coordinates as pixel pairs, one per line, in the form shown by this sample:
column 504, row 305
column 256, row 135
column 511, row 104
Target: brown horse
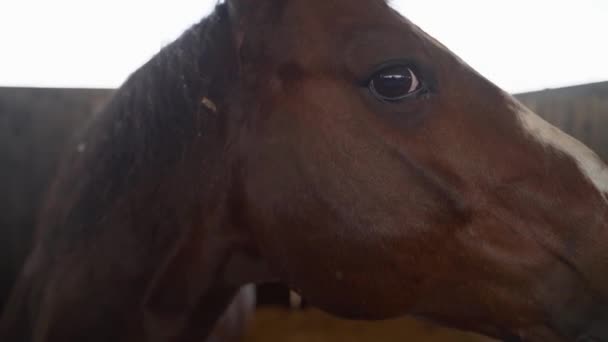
column 40, row 121
column 336, row 147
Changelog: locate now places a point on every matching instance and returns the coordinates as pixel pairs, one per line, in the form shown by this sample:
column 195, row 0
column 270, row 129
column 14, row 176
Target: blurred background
column 518, row 44
column 60, row 60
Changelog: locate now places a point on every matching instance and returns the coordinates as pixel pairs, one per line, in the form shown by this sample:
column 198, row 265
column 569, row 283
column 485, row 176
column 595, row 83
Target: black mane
column 146, row 129
column 131, row 187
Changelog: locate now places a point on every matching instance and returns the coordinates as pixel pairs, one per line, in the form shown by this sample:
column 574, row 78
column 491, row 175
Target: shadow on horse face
column 385, row 176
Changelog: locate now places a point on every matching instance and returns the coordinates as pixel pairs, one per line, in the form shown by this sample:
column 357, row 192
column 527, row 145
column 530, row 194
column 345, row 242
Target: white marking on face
column 589, row 163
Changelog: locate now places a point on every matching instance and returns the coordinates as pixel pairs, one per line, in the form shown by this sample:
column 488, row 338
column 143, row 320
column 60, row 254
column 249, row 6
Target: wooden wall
column 35, row 125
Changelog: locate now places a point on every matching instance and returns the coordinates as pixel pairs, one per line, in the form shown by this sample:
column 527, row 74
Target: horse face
column 384, row 177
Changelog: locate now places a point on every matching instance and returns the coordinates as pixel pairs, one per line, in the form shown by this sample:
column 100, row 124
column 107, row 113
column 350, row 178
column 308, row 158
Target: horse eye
column 394, row 83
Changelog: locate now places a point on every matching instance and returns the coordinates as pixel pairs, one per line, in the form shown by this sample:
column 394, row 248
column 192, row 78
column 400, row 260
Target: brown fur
column 441, row 205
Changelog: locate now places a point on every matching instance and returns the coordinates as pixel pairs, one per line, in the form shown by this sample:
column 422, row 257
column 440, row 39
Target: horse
column 332, row 146
column 42, row 127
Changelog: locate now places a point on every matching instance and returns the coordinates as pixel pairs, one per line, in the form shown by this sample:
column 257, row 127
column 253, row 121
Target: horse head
column 384, row 176
column 334, row 146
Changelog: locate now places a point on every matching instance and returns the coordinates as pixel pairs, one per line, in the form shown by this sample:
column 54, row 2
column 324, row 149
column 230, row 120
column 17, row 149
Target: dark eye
column 394, row 83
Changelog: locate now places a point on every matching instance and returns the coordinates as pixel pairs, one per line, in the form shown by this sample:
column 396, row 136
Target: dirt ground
column 277, row 325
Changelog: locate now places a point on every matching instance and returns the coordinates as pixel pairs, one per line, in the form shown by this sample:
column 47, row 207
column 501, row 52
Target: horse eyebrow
column 360, row 50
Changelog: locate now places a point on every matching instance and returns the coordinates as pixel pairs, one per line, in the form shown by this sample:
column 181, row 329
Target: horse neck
column 146, row 187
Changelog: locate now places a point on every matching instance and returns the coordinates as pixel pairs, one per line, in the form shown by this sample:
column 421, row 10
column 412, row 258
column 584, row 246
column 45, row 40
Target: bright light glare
column 518, row 44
